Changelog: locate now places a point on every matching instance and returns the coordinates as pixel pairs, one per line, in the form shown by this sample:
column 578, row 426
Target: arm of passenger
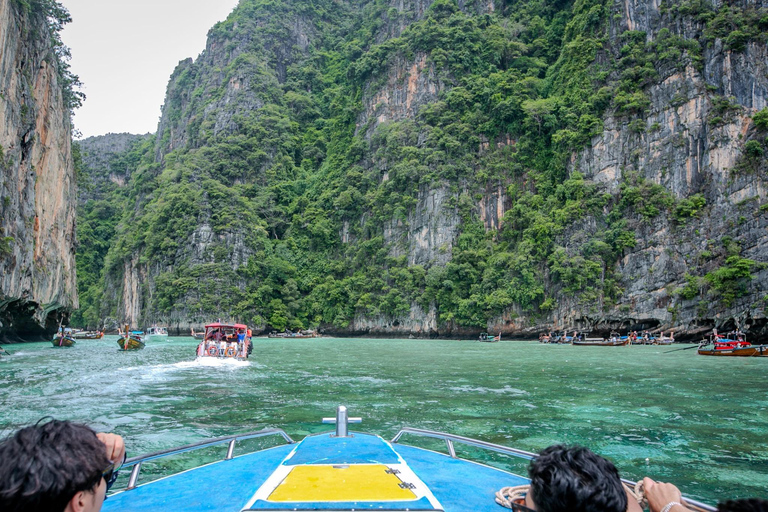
column 663, row 497
column 115, row 446
column 632, row 504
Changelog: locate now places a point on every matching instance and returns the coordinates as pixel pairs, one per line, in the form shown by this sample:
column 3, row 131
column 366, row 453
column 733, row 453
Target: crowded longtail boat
column 733, row 344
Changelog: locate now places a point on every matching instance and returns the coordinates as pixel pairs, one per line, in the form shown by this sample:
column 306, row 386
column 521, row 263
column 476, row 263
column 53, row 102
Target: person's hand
column 115, row 446
column 660, row 494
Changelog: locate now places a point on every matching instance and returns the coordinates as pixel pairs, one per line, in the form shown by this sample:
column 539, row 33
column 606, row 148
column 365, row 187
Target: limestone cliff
column 684, row 142
column 450, row 166
column 688, row 143
column 103, row 165
column 37, row 182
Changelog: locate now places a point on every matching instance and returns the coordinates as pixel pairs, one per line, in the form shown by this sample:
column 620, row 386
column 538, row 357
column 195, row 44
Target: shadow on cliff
column 19, row 321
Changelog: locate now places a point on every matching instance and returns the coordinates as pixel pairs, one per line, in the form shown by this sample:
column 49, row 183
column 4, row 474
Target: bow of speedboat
column 326, row 472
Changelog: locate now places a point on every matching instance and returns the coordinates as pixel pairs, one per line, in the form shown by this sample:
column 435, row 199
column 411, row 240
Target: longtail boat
column 130, row 340
column 87, row 335
column 331, row 471
column 293, row 335
column 489, row 338
column 738, row 346
column 63, row 339
column 604, row 343
column 748, row 351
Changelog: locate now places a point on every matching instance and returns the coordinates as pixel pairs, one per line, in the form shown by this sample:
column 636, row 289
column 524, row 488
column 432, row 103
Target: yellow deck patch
column 360, row 482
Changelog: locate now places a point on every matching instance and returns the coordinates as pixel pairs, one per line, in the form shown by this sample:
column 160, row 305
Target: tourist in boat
column 40, row 471
column 575, row 478
column 240, row 341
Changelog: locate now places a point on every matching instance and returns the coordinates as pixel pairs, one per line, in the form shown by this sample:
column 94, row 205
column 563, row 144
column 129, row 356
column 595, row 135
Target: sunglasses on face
column 110, row 474
column 519, row 507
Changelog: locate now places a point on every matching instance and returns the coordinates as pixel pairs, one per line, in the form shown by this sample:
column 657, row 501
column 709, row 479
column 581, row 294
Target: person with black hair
column 577, row 480
column 58, row 466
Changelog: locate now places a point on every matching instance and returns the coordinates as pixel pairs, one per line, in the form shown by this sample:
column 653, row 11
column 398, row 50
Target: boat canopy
column 221, row 325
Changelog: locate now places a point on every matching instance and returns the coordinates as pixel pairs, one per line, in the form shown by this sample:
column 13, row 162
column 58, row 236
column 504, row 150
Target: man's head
column 743, row 505
column 54, row 466
column 574, row 479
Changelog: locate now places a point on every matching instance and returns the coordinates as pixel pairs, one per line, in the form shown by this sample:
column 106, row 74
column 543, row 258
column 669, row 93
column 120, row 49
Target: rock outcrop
column 37, row 180
column 102, row 162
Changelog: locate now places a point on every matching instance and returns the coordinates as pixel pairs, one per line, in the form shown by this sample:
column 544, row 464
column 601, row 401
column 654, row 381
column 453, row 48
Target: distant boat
column 63, row 339
column 87, row 335
column 488, row 338
column 197, row 335
column 591, row 342
column 558, row 338
column 293, row 335
column 226, row 341
column 130, row 340
column 735, row 346
column 156, row 334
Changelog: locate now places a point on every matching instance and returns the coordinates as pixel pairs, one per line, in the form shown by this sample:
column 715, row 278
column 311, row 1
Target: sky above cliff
column 124, row 52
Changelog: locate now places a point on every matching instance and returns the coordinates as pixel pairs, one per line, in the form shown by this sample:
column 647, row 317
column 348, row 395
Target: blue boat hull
column 250, row 482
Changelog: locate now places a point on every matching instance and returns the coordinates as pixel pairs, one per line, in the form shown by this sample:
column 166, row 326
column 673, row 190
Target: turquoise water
column 699, row 422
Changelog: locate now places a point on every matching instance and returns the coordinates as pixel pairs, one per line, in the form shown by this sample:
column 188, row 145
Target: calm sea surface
column 699, row 422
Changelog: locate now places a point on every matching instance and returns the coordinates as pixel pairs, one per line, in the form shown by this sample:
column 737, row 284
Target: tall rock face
column 37, row 179
column 442, row 167
column 108, row 163
column 693, row 139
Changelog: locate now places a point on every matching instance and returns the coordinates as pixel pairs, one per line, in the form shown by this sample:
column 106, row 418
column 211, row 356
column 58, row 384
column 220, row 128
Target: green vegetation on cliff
column 56, row 16
column 273, row 193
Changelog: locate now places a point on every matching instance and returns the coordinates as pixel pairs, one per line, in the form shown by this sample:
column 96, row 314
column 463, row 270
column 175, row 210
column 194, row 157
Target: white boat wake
column 213, row 362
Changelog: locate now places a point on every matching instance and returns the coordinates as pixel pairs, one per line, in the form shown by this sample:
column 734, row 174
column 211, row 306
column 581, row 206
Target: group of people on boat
column 632, row 337
column 564, row 337
column 648, row 338
column 222, row 340
column 733, row 343
column 731, row 338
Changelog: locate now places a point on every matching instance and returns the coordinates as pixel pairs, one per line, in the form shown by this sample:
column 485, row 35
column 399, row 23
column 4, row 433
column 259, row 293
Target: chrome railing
column 451, row 438
column 136, row 462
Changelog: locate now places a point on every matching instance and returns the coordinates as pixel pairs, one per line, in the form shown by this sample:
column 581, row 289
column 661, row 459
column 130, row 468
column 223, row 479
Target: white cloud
column 124, row 52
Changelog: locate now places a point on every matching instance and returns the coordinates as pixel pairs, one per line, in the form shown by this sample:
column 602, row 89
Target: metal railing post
column 134, row 477
column 231, row 449
column 451, row 449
